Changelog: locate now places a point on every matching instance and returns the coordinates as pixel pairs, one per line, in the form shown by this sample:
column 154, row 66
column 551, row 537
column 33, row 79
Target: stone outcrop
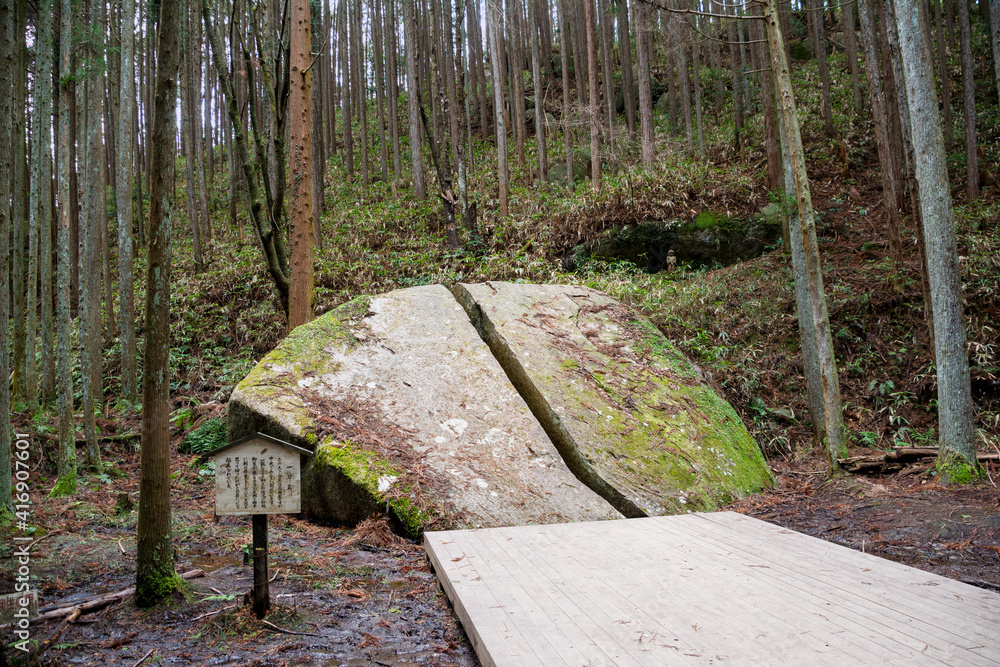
column 503, row 404
column 407, row 410
column 630, row 416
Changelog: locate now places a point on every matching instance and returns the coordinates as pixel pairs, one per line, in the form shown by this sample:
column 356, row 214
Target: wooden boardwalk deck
column 700, row 589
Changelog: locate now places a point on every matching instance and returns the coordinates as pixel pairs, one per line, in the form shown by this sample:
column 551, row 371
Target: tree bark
column 890, row 184
column 625, row 55
column 903, row 154
column 47, row 203
column 7, row 68
column 155, row 577
column 123, row 196
column 807, row 266
column 536, row 80
column 416, row 156
column 957, row 454
column 300, row 204
column 66, row 482
column 645, row 94
column 19, row 206
column 492, row 13
column 816, row 13
column 90, row 277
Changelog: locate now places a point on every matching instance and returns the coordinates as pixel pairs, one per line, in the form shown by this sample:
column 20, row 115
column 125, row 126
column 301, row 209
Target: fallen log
column 96, row 602
column 896, row 459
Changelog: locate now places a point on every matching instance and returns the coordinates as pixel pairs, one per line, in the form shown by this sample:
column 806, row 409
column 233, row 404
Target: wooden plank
column 472, row 599
column 833, row 610
column 700, row 589
column 687, row 605
column 884, row 602
column 887, row 585
column 557, row 597
column 757, row 608
column 619, row 620
column 525, row 609
column 984, row 607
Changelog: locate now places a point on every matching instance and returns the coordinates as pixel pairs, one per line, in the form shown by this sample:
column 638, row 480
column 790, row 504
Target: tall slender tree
column 536, row 81
column 816, row 24
column 393, row 90
column 956, row 445
column 66, row 483
column 7, row 65
column 890, row 184
column 123, row 197
column 300, row 205
column 645, row 94
column 492, row 25
column 90, row 276
column 625, row 57
column 807, row 263
column 851, row 51
column 43, row 94
column 564, row 48
column 413, row 103
column 995, row 39
column 594, row 112
column 155, row 577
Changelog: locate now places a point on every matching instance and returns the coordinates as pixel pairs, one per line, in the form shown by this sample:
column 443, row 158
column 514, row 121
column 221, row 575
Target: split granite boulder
column 501, row 405
column 407, row 410
column 630, row 415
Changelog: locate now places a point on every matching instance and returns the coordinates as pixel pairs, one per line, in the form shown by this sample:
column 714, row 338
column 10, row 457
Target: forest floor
column 367, row 597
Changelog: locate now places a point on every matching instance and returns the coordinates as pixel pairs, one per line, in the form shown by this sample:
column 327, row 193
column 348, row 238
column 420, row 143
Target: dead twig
column 213, row 613
column 44, row 537
column 143, row 658
column 288, row 632
column 51, row 640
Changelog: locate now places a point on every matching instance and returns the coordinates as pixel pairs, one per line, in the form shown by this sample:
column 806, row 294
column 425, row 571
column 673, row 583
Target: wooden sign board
column 13, row 605
column 258, row 475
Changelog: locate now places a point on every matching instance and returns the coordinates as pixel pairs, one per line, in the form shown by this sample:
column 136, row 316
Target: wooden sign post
column 258, row 475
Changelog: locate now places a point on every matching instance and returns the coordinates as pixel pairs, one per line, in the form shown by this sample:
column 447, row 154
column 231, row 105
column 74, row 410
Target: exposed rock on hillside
column 576, row 410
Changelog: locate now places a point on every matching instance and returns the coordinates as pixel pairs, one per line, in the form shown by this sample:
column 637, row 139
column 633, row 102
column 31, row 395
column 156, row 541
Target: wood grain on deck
column 698, row 589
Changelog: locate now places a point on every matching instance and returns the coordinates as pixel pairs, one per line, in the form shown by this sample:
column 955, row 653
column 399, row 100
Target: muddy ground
column 366, row 597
